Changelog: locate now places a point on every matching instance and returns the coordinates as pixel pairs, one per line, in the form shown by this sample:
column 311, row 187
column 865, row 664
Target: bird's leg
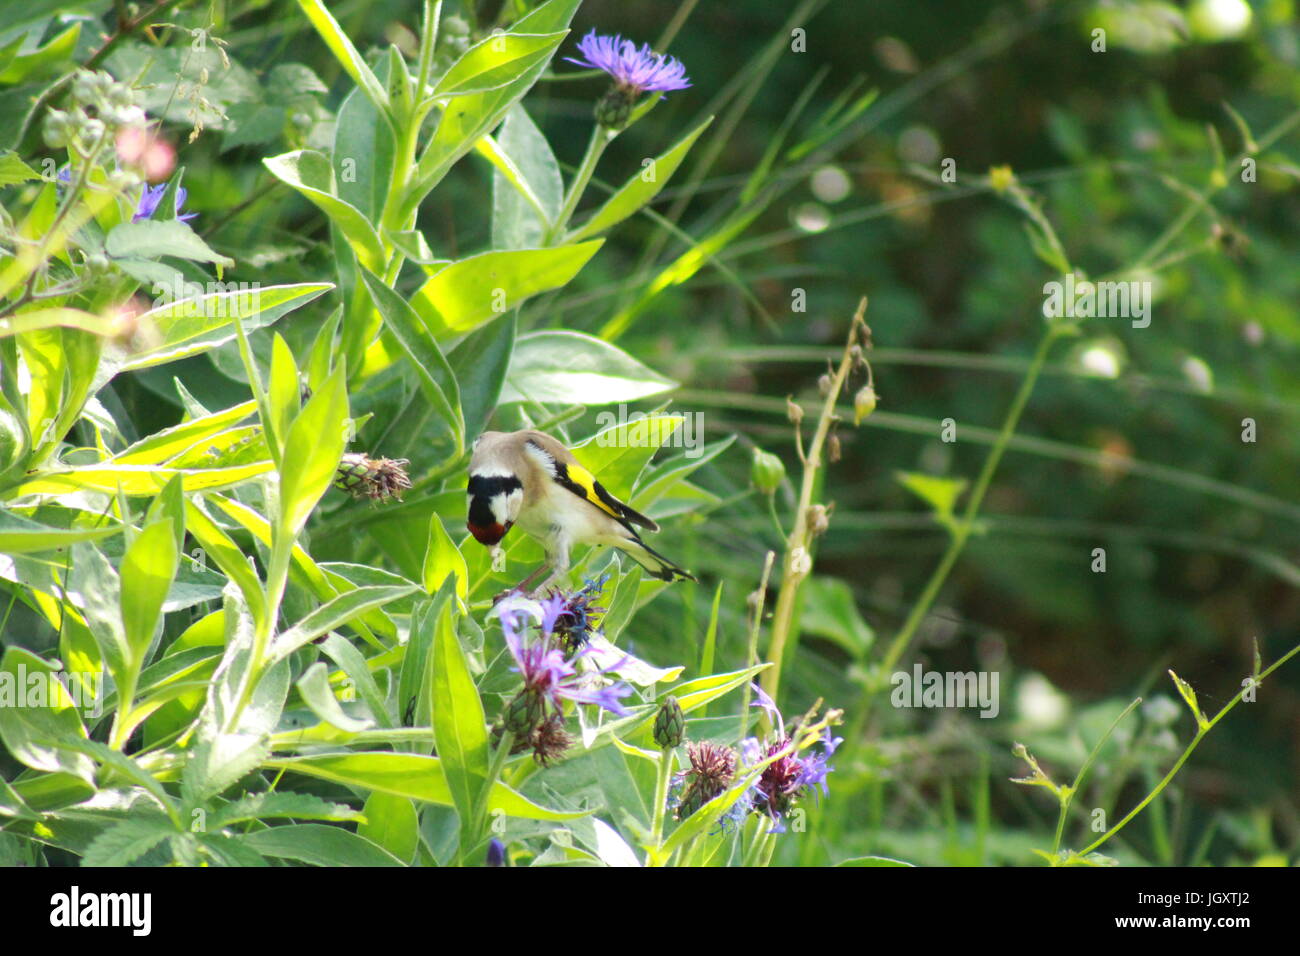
column 519, row 588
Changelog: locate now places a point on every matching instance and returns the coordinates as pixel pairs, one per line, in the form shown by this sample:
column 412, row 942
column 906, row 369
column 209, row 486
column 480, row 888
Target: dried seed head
column 819, row 520
column 379, row 479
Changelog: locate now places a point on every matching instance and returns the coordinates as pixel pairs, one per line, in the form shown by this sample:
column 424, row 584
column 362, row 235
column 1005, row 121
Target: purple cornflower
column 571, row 617
column 152, row 196
column 634, row 69
column 790, row 776
column 548, row 677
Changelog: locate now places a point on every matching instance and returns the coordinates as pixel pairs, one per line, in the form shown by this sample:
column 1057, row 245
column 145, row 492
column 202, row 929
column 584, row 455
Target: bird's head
column 495, row 489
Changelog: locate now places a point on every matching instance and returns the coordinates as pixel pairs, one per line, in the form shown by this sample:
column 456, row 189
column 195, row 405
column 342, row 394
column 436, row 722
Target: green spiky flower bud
column 613, row 109
column 670, row 724
column 523, row 713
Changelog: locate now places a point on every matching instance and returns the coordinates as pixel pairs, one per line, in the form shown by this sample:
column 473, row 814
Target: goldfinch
column 529, row 479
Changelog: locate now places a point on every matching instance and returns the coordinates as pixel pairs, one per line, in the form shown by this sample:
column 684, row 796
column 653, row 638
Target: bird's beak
column 491, row 534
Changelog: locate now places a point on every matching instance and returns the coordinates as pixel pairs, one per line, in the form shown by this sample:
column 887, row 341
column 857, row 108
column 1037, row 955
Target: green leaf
column 310, row 173
column 19, row 535
column 872, row 861
column 410, row 775
column 272, row 805
column 345, row 52
column 527, row 191
column 32, row 319
column 1188, row 694
column 43, row 60
column 224, row 754
column 437, row 381
column 459, row 725
column 36, row 713
column 165, row 444
column 570, row 368
column 127, row 841
column 472, row 117
column 496, row 61
column 148, row 570
column 392, row 823
column 363, row 152
column 196, row 324
column 357, row 670
column 148, row 239
column 283, row 393
column 640, row 189
column 217, row 545
column 941, row 494
column 14, row 170
column 314, row 688
column 480, row 362
column 829, row 610
column 335, row 613
column 467, row 293
column 442, row 559
column 318, row 844
column 136, row 480
column 312, row 450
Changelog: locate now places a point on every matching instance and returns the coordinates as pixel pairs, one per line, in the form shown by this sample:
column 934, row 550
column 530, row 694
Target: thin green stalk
column 755, row 626
column 478, row 827
column 665, row 771
column 962, row 530
column 1068, row 797
column 797, row 563
column 1202, row 730
column 601, row 137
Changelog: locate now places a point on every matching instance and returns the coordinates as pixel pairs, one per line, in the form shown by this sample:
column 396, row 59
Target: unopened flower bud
column 523, row 713
column 120, row 95
column 1001, row 178
column 122, row 116
column 670, row 724
column 824, row 384
column 92, row 131
column 793, row 411
column 123, row 180
column 800, row 562
column 613, row 109
column 57, row 129
column 767, row 472
column 85, row 87
column 833, row 447
column 864, row 403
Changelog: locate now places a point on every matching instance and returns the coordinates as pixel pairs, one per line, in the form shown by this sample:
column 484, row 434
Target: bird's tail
column 654, row 562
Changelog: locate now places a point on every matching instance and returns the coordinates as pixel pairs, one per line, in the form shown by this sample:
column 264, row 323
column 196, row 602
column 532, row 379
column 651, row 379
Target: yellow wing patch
column 582, row 482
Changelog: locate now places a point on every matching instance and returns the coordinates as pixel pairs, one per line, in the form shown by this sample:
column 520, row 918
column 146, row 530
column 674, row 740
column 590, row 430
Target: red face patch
column 489, row 535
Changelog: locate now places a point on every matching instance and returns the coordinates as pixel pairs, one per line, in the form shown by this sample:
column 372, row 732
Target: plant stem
column 961, row 531
column 760, row 598
column 794, row 569
column 600, row 138
column 1069, row 796
column 666, row 761
column 1201, row 731
column 479, row 825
